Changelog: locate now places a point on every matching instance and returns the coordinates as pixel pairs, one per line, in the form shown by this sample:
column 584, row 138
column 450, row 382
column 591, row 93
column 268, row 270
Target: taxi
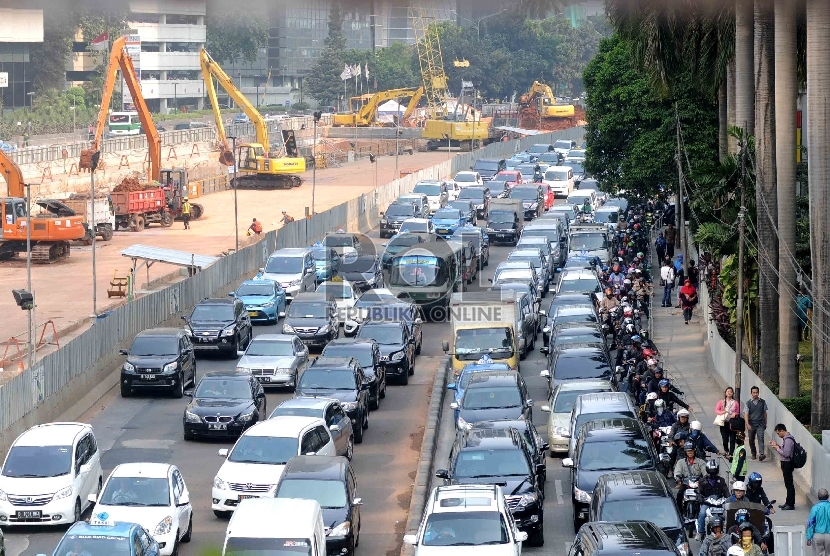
column 102, row 535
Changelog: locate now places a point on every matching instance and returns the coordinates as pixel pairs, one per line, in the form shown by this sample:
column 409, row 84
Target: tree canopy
column 324, row 83
column 236, row 36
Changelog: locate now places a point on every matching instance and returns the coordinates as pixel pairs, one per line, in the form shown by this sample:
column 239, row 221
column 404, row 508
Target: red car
column 550, row 196
column 509, row 177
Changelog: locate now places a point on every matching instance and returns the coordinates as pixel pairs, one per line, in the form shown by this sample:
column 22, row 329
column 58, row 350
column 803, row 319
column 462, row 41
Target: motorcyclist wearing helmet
column 667, row 394
column 682, row 424
column 690, row 467
column 654, row 375
column 716, row 543
column 712, row 485
column 738, row 492
column 755, row 491
column 647, row 343
column 586, row 206
column 647, row 410
column 617, row 276
column 679, row 440
column 663, row 417
column 699, row 440
column 743, row 524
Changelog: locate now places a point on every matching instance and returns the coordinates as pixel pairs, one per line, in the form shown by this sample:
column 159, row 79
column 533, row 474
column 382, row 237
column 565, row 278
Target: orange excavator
column 50, row 232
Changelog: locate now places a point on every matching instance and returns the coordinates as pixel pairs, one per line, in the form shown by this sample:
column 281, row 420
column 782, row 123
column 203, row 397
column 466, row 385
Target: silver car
column 275, row 359
column 293, row 268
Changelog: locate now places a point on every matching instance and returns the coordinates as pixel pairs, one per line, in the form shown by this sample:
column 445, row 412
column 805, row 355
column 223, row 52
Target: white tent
column 391, row 107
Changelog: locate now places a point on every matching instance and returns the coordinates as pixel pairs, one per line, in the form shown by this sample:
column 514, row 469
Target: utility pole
column 680, row 209
column 96, row 157
column 316, row 116
column 739, row 305
column 235, row 203
column 31, row 335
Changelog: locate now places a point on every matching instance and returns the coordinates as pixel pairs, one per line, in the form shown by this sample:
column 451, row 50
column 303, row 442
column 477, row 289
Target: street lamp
column 317, row 115
column 235, row 204
column 477, row 23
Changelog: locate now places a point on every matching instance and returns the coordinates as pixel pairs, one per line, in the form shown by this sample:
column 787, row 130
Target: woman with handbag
column 726, row 410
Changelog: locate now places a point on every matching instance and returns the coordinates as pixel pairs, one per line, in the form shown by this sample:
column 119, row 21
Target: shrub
column 800, row 407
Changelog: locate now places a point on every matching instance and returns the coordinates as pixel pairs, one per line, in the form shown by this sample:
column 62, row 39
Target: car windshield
column 38, row 461
column 266, row 546
column 465, row 529
column 428, row 190
column 365, row 263
column 400, row 210
column 416, row 227
column 86, row 544
column 322, row 254
column 566, row 399
column 556, row 174
column 296, row 411
column 576, row 153
column 562, row 144
column 148, row 346
column 526, row 169
column 588, row 242
column 447, row 214
column 337, row 291
column 513, row 275
column 222, row 388
column 579, row 286
column 473, row 464
column 136, row 491
column 524, row 193
column 660, row 511
column 533, row 243
column 329, row 494
column 472, row 194
column 284, row 265
column 418, row 271
column 577, row 167
column 399, row 244
column 590, row 185
column 369, row 299
column 327, row 379
column 615, row 455
column 339, row 241
column 463, row 206
column 501, row 217
column 383, row 335
column 497, row 187
column 259, row 290
column 267, row 450
column 491, row 165
column 583, row 418
column 462, row 235
column 270, row 348
column 465, row 178
column 309, row 309
column 592, row 338
column 472, row 343
column 503, row 177
column 492, row 398
column 363, row 355
column 534, row 258
column 606, row 217
column 551, row 234
column 581, row 365
column 538, row 149
column 210, row 312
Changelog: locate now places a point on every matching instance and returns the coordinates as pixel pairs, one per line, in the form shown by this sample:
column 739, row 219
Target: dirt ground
column 63, row 289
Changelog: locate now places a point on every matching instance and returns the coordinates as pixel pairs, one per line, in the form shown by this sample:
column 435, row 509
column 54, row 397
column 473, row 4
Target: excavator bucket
column 85, row 162
column 225, row 157
column 290, row 141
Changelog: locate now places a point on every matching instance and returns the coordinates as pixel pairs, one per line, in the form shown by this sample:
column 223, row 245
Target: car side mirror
column 240, row 353
column 262, row 270
column 223, row 453
column 407, row 539
column 231, row 294
column 454, row 406
column 334, row 428
column 442, row 474
column 445, row 346
column 451, row 386
column 540, row 468
column 92, row 498
column 567, row 462
column 545, row 409
column 184, row 318
column 545, row 373
column 529, row 403
column 521, row 536
column 357, row 502
column 123, row 352
column 184, row 500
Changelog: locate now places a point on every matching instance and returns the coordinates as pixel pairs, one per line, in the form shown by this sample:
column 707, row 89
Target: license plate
column 217, row 426
column 246, row 497
column 148, row 377
column 501, row 235
column 264, row 378
column 204, row 340
column 253, row 313
column 29, row 514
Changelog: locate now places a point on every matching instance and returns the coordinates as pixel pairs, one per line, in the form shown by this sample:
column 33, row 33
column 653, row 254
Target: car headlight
column 462, row 424
column 341, row 530
column 397, row 356
column 296, row 282
column 129, row 366
column 164, row 526
column 63, row 493
column 243, row 369
column 219, row 483
column 323, row 329
column 287, row 329
column 284, row 371
column 229, row 331
column 268, row 305
column 246, row 417
column 528, row 499
column 192, row 417
column 582, row 496
column 560, row 431
column 170, row 367
column 384, row 221
column 534, row 205
column 3, row 496
column 349, row 406
column 489, row 230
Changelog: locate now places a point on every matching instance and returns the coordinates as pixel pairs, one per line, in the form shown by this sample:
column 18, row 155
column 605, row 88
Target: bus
column 428, row 273
column 124, row 123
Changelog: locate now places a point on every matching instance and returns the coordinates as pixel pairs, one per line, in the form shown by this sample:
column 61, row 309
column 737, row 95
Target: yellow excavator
column 261, row 169
column 542, row 97
column 364, row 109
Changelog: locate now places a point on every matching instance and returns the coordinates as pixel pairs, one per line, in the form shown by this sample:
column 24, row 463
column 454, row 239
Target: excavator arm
column 413, row 104
column 13, row 175
column 368, row 112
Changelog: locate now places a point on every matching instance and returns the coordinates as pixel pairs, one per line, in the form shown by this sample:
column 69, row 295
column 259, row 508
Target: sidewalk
column 688, row 364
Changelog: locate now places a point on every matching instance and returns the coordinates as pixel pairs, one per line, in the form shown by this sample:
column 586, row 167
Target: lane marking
column 560, row 500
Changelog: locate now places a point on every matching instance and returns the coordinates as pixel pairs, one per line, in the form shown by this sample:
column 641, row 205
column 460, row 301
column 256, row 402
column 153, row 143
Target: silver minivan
column 293, row 268
column 603, row 405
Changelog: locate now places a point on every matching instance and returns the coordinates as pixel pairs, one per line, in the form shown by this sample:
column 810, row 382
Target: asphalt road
column 149, row 428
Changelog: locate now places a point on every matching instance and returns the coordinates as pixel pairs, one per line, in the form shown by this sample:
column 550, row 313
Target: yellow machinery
column 260, row 169
column 542, row 97
column 364, row 109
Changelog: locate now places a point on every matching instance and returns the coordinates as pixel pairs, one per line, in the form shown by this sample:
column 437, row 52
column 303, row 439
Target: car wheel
column 418, row 347
column 222, row 515
column 236, row 344
column 126, row 391
column 178, row 390
column 404, row 378
column 358, row 434
column 189, row 533
column 374, row 403
column 350, row 448
column 175, row 546
column 411, row 368
column 383, row 391
column 77, row 516
column 366, row 418
column 188, row 435
column 538, row 538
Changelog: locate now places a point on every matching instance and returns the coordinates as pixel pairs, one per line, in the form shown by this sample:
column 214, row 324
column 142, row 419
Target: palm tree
column 765, row 190
column 818, row 98
column 744, row 66
column 785, row 95
column 731, row 99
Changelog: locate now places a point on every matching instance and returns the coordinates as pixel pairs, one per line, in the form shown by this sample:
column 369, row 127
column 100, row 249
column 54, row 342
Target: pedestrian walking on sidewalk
column 693, row 274
column 670, row 233
column 688, row 300
column 755, row 415
column 678, row 272
column 660, row 246
column 667, row 279
column 785, row 454
column 725, row 410
column 818, row 526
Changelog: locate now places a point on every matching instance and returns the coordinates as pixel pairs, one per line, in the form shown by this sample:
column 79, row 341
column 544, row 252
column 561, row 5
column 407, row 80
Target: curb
column 423, row 475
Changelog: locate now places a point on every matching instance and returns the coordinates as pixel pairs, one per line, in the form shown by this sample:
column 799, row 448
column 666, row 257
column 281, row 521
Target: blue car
column 326, row 262
column 447, row 220
column 483, row 364
column 241, row 119
column 467, row 208
column 7, row 147
column 101, row 535
column 264, row 299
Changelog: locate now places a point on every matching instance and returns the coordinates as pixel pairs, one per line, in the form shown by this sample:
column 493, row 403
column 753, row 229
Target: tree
column 323, row 82
column 236, row 36
column 48, row 58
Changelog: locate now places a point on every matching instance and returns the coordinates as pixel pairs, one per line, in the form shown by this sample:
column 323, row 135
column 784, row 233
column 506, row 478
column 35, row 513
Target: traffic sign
column 287, row 103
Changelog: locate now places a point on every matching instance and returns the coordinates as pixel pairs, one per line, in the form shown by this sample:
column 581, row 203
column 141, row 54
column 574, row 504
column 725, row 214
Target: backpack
column 799, row 457
column 661, row 242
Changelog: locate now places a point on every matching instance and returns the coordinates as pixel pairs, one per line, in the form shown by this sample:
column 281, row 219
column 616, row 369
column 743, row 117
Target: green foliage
column 236, row 36
column 323, row 82
column 631, row 130
column 728, row 280
column 48, row 58
column 391, row 67
column 800, row 407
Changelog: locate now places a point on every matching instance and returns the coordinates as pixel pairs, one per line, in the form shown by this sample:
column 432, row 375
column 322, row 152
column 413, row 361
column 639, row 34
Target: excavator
column 364, row 109
column 542, row 96
column 174, row 181
column 260, row 169
column 50, row 232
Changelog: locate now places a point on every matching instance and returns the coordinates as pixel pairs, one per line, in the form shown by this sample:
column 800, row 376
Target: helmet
column 739, row 485
column 717, row 522
column 741, row 516
column 627, row 282
column 683, row 413
column 735, row 551
column 605, row 268
column 646, row 352
column 636, row 226
column 629, row 328
column 659, row 403
column 755, row 480
column 696, row 426
column 184, row 198
column 640, row 255
column 636, row 339
column 644, row 333
column 664, row 383
column 651, row 396
column 651, row 362
column 283, row 211
column 658, row 370
column 690, row 447
column 712, row 467
column 680, row 436
column 621, row 252
column 631, row 244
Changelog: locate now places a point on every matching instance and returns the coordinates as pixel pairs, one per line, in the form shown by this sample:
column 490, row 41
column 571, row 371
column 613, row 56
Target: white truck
column 104, row 215
column 590, row 240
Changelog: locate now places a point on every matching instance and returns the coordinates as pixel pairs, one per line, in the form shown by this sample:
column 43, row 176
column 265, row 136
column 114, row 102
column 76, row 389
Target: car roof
column 283, row 426
column 312, row 296
column 85, row 528
column 494, row 378
column 599, row 401
column 333, row 283
column 492, row 439
column 524, row 252
column 626, row 485
column 587, row 384
column 316, row 467
column 418, row 220
column 254, row 518
column 291, row 251
column 384, row 322
column 273, row 338
column 308, row 401
column 217, row 301
column 520, row 425
column 360, row 343
column 465, row 498
column 52, row 434
column 607, row 430
column 569, row 310
column 142, row 469
column 628, row 537
column 231, row 374
column 150, row 332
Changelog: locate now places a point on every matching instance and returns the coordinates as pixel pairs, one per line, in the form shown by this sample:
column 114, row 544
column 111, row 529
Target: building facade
column 21, row 28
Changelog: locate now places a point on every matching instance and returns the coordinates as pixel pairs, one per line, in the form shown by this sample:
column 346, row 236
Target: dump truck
column 137, row 209
column 505, row 220
column 104, row 215
column 483, row 323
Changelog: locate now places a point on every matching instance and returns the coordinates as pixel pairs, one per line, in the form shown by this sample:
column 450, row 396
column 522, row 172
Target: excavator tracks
column 49, row 252
column 264, row 183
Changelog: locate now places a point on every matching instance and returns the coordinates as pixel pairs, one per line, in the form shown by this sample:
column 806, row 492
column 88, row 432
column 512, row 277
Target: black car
column 394, row 216
column 401, row 242
column 340, row 378
column 466, row 207
column 535, row 444
column 500, row 456
column 397, row 347
column 498, row 189
column 487, row 167
column 503, row 225
column 363, row 272
column 159, row 358
column 563, row 300
column 332, row 483
column 220, row 326
column 575, row 333
column 225, row 403
column 532, row 198
column 312, row 317
column 403, row 311
column 367, row 354
column 622, row 538
column 480, row 196
column 493, row 396
column 639, row 495
column 578, row 362
column 605, row 446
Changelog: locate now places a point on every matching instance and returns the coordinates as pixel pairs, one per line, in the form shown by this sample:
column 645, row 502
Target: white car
column 467, row 520
column 436, row 192
column 577, row 155
column 343, row 295
column 361, row 309
column 254, row 465
column 564, row 146
column 154, row 496
column 468, row 179
column 560, row 179
column 48, row 475
column 453, row 189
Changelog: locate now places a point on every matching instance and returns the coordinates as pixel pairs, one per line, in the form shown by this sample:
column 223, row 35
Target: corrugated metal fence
column 33, row 387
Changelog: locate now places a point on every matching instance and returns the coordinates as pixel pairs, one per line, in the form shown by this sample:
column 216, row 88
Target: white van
column 276, row 526
column 560, row 179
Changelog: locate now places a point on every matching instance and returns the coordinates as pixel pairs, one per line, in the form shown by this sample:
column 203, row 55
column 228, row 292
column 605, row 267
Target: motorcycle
column 715, row 510
column 690, row 504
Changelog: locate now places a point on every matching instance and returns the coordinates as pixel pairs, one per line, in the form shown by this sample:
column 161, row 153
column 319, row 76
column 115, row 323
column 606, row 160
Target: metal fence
column 34, row 387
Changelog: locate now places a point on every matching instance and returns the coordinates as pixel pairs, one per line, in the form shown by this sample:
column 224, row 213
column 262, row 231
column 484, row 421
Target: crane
column 260, row 170
column 365, row 108
column 430, row 60
column 543, row 95
column 50, row 234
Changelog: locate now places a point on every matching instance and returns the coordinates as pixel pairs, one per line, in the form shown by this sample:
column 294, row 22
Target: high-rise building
column 21, row 28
